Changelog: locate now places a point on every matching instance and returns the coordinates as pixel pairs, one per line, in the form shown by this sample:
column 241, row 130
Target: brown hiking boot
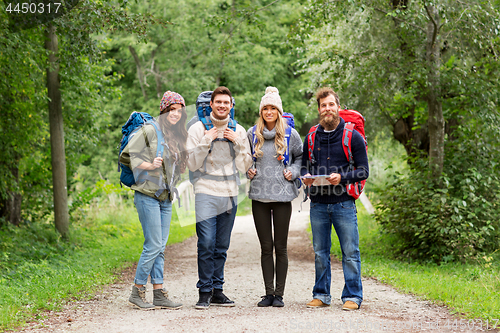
column 349, row 306
column 316, row 303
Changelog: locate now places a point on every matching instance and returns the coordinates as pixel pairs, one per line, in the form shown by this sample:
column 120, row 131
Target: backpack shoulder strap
column 310, row 143
column 204, row 116
column 232, row 124
column 160, row 139
column 346, row 142
column 286, row 155
column 254, row 142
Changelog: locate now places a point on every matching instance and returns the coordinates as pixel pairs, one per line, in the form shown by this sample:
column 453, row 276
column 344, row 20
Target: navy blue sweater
column 330, row 158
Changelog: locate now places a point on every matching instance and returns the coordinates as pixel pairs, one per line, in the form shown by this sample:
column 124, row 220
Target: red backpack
column 353, row 121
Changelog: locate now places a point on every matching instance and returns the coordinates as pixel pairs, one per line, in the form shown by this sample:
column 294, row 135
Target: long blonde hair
column 279, row 139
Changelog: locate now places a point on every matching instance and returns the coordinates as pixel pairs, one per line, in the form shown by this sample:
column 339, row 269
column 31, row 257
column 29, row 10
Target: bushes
column 455, row 217
column 39, row 271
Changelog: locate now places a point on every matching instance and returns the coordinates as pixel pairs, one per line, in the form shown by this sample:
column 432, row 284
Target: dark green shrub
column 456, row 217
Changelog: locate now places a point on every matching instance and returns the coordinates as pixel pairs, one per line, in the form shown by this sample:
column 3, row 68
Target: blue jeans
column 343, row 217
column 214, row 223
column 155, row 219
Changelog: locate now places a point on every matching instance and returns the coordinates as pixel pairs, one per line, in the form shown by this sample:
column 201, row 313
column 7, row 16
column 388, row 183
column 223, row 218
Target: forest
column 424, row 73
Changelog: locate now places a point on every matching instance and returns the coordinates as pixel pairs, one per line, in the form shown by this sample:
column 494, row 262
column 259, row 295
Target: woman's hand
column 288, row 174
column 151, row 166
column 156, row 163
column 251, row 173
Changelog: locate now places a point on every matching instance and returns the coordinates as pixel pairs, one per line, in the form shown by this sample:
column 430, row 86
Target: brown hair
column 176, row 136
column 325, row 92
column 221, row 91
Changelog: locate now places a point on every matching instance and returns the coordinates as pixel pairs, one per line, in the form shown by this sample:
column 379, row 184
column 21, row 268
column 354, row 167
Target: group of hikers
column 275, row 160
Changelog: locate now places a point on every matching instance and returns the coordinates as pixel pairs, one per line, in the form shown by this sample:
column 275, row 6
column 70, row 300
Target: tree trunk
column 156, row 72
column 58, row 155
column 159, row 88
column 414, row 140
column 436, row 120
column 140, row 73
column 10, row 206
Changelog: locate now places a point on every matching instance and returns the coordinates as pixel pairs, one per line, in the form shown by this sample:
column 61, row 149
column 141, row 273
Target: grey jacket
column 269, row 184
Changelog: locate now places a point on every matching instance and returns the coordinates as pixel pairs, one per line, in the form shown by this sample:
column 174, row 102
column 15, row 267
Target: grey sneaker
column 160, row 300
column 138, row 298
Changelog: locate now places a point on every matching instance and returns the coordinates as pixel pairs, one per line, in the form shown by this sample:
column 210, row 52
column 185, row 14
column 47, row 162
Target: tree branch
column 400, row 20
column 268, row 5
column 248, row 14
column 436, row 27
column 140, row 74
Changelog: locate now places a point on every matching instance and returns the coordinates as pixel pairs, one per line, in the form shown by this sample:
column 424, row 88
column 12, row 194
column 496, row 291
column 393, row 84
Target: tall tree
column 58, row 155
column 434, row 104
column 420, row 64
column 84, row 84
column 240, row 44
column 23, row 109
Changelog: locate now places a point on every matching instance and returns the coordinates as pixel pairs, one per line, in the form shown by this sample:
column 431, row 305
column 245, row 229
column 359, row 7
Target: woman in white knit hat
column 272, row 189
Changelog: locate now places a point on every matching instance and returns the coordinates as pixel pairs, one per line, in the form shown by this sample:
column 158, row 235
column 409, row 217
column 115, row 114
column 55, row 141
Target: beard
column 329, row 123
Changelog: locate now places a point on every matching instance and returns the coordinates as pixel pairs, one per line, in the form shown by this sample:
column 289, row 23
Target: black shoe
column 278, row 301
column 220, row 299
column 266, row 301
column 204, row 301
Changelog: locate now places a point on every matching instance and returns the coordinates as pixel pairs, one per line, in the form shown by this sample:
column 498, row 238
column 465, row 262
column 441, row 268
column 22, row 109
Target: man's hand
column 251, row 173
column 308, row 181
column 334, row 179
column 212, row 133
column 230, row 135
column 288, row 174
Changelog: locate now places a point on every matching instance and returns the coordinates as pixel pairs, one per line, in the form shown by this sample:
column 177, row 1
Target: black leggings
column 279, row 213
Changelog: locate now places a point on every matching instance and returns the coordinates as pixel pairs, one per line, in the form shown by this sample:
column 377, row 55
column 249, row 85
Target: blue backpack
column 285, row 158
column 134, row 123
column 203, row 111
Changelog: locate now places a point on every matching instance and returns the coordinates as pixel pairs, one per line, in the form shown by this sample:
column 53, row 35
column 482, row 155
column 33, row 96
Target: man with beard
column 330, row 203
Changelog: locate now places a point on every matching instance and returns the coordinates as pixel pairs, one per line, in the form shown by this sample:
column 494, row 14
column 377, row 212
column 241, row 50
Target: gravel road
column 383, row 309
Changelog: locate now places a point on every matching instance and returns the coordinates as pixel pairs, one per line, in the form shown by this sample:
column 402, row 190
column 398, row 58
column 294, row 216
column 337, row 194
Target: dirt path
column 383, row 308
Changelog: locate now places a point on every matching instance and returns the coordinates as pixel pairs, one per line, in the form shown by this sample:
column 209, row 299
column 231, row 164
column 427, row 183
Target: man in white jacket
column 215, row 156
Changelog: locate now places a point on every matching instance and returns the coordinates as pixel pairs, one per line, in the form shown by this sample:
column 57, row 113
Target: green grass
column 39, row 272
column 471, row 290
column 244, row 207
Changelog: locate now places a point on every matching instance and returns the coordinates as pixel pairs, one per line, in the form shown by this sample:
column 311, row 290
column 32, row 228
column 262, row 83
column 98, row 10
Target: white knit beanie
column 271, row 97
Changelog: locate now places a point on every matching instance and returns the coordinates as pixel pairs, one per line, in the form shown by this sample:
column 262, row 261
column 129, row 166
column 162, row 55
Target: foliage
column 22, row 101
column 376, row 54
column 239, row 44
column 385, row 157
column 468, row 289
column 456, row 220
column 86, row 84
column 106, row 238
